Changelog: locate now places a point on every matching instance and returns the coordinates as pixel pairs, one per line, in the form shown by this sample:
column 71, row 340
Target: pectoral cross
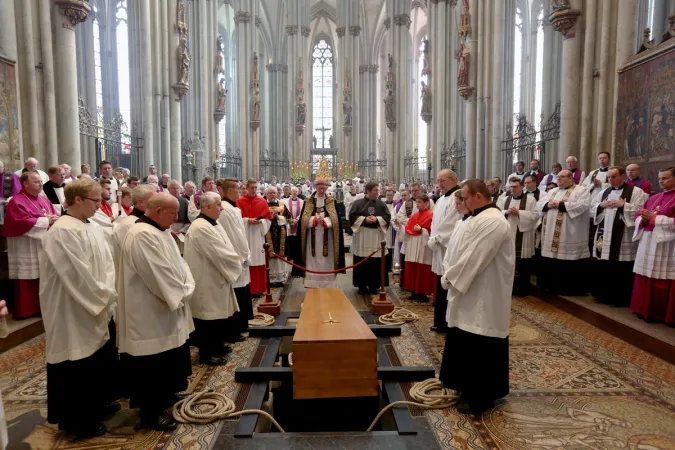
column 330, row 320
column 323, row 135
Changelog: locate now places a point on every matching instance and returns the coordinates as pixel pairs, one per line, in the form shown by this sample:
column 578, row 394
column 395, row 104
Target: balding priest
column 140, row 196
column 215, row 266
column 654, row 290
column 256, row 216
column 76, row 291
column 321, row 239
column 478, row 273
column 154, row 285
column 233, row 224
column 28, row 216
column 369, row 218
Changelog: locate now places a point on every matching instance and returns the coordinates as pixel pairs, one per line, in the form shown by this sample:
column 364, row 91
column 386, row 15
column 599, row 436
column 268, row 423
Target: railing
column 454, row 158
column 373, row 168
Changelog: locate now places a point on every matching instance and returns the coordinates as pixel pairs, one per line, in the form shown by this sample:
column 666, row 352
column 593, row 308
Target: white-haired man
column 294, row 205
column 30, row 165
column 216, row 266
column 154, row 285
column 68, row 174
column 277, row 236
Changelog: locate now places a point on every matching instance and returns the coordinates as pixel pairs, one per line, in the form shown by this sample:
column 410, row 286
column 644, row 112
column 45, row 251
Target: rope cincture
column 261, row 320
column 398, row 316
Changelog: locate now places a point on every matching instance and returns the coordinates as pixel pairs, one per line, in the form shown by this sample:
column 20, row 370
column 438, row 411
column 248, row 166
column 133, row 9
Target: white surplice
column 526, row 222
column 77, row 289
column 590, row 186
column 628, row 247
column 255, row 235
column 655, row 256
column 106, row 223
column 233, row 223
column 573, row 243
column 119, row 233
column 318, row 261
column 443, row 224
column 23, row 251
column 479, row 266
column 215, row 266
column 367, row 240
column 154, row 285
column 417, row 249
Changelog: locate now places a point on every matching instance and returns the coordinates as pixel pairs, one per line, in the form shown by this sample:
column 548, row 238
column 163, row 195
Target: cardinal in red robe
column 418, row 276
column 256, row 214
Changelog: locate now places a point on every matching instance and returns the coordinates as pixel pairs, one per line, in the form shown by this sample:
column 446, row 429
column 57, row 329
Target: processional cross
column 330, row 320
column 323, row 135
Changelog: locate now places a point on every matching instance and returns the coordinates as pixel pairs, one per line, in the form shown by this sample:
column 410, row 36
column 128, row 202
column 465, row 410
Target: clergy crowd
column 128, row 273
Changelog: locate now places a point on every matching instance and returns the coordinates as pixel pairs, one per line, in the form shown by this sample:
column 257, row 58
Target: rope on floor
column 422, row 393
column 398, row 316
column 290, row 359
column 208, row 406
column 261, row 320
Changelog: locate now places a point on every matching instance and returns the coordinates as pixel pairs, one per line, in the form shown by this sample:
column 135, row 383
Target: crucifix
column 323, row 135
column 330, row 320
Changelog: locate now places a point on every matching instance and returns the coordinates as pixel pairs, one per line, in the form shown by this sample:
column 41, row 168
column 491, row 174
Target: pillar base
column 381, row 306
column 270, row 307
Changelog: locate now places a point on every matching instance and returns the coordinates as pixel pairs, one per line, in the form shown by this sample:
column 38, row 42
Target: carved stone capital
column 403, row 20
column 563, row 20
column 387, row 23
column 242, row 17
column 291, row 30
column 354, row 30
column 305, row 31
column 180, row 89
column 218, row 115
column 340, row 31
column 75, row 11
column 466, row 92
column 419, row 4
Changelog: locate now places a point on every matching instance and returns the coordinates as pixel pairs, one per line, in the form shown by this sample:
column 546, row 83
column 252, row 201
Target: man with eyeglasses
column 564, row 238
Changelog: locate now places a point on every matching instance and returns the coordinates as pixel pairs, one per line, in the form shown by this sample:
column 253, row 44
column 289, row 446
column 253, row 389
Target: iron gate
column 524, row 143
column 228, row 165
column 315, row 157
column 454, row 158
column 112, row 140
column 373, row 168
column 273, row 165
column 415, row 168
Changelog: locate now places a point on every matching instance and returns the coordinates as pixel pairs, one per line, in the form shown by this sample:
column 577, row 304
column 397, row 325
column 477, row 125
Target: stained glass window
column 322, row 93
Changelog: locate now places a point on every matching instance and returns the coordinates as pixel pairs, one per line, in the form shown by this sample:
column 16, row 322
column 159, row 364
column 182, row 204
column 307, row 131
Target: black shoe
column 213, row 360
column 86, row 432
column 235, row 339
column 159, row 422
column 473, row 407
column 363, row 291
column 374, row 291
column 226, row 350
column 436, row 329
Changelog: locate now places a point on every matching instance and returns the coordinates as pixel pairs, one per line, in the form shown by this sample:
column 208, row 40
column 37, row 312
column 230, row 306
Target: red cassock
column 418, row 276
column 255, row 208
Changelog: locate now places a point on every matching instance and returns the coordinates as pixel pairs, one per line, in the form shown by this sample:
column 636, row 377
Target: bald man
column 633, row 179
column 154, row 285
column 30, row 165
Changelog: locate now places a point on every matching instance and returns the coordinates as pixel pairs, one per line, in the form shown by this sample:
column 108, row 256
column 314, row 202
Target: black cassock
column 367, row 275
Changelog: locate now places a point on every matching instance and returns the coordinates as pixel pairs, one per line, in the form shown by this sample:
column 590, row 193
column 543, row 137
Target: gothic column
column 298, row 140
column 29, row 86
column 468, row 26
column 498, row 68
column 148, row 127
column 367, row 111
column 625, row 39
column 248, row 86
column 175, row 27
column 48, row 88
column 349, row 29
column 588, row 84
column 67, row 15
column 439, row 79
column 606, row 74
column 400, row 62
column 565, row 22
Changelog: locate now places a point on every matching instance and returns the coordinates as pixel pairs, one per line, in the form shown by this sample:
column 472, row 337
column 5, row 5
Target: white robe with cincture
column 77, row 288
column 233, row 224
column 656, row 251
column 215, row 265
column 154, row 286
column 573, row 243
column 106, row 223
column 367, row 240
column 628, row 247
column 479, row 266
column 442, row 225
column 526, row 221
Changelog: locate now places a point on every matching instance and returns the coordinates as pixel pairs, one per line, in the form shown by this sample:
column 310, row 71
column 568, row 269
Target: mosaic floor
column 573, row 387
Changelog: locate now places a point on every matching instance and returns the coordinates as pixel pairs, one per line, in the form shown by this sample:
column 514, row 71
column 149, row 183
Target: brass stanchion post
column 382, row 305
column 268, row 306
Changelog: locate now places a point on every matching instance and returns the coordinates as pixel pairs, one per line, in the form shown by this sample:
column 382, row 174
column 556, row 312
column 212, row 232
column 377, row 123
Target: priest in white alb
column 215, row 266
column 321, row 238
column 77, row 289
column 444, row 220
column 154, row 322
column 613, row 211
column 564, row 237
column 478, row 269
column 233, row 224
column 520, row 209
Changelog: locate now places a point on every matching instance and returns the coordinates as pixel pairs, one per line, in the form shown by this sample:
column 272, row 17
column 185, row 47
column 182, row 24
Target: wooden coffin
column 333, row 360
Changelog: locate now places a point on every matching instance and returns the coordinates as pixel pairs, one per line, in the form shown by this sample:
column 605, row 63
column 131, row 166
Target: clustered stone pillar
column 299, row 60
column 248, row 85
column 348, row 31
column 624, row 50
column 175, row 136
column 470, row 48
column 367, row 111
column 398, row 12
column 67, row 15
column 439, row 78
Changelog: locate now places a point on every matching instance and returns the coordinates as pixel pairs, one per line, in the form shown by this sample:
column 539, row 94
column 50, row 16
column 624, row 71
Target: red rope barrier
column 325, row 272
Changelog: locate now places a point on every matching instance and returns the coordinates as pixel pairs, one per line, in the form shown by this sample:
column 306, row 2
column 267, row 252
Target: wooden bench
column 333, row 360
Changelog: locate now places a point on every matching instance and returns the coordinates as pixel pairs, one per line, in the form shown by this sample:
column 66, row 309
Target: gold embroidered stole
column 558, row 221
column 282, row 238
column 307, row 215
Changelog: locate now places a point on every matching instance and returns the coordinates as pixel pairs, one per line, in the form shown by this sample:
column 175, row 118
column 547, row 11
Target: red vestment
column 418, row 276
column 255, row 208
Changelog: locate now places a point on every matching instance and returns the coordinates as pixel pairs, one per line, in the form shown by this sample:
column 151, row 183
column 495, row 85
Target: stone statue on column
column 347, row 112
column 301, row 114
column 222, row 95
column 426, row 102
column 426, row 70
column 389, row 102
column 183, row 59
column 301, row 106
column 220, row 58
column 463, row 86
column 257, row 111
column 255, row 76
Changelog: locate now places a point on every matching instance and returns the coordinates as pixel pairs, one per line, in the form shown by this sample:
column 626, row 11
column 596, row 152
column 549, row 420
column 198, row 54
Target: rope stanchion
column 261, row 320
column 324, row 272
column 208, row 406
column 421, row 392
column 398, row 316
